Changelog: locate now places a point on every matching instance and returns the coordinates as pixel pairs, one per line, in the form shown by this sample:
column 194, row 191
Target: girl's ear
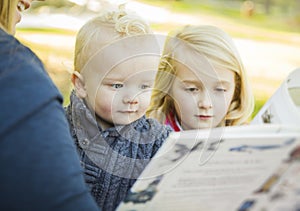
column 79, row 86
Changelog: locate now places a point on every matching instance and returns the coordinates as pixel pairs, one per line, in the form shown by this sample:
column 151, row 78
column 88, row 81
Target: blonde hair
column 105, row 29
column 7, row 15
column 218, row 48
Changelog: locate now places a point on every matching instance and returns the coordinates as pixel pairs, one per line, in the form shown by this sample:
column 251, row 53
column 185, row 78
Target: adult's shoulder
column 25, row 86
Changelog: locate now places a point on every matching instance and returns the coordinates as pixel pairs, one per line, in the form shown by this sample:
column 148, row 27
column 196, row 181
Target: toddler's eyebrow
column 113, row 78
column 122, row 79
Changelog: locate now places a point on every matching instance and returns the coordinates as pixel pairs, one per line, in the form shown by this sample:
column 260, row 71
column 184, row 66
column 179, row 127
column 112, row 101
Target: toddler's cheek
column 104, row 109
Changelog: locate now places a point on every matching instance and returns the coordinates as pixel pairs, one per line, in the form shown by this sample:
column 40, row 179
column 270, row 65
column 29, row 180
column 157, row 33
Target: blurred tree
column 247, row 8
column 268, row 4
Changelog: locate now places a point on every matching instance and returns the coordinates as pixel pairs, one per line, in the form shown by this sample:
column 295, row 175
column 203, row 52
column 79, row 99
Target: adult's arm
column 40, row 168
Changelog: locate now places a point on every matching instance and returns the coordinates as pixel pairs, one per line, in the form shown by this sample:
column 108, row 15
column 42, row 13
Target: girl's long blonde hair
column 218, row 48
column 7, row 15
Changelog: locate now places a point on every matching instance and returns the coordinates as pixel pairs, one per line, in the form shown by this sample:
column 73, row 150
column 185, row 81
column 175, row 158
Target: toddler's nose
column 130, row 100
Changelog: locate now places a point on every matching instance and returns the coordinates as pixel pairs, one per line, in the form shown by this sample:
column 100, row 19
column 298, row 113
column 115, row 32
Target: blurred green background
column 50, row 27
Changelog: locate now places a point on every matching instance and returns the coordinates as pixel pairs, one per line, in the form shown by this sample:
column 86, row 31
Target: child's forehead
column 142, row 65
column 127, row 57
column 205, row 73
column 146, row 43
column 116, row 52
column 138, row 75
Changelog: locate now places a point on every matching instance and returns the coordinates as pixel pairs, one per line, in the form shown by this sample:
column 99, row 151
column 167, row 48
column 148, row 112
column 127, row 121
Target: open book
column 284, row 106
column 234, row 168
column 251, row 167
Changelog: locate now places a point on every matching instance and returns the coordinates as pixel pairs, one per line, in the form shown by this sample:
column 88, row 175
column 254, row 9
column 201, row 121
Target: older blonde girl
column 201, row 81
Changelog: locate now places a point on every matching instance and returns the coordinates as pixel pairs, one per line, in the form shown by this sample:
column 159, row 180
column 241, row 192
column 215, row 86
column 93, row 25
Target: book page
column 204, row 172
column 281, row 190
column 284, row 105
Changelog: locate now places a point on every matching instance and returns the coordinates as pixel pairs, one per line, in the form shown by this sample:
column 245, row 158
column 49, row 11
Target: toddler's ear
column 79, row 86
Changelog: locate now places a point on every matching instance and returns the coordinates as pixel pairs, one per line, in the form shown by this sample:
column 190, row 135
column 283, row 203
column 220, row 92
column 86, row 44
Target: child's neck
column 103, row 123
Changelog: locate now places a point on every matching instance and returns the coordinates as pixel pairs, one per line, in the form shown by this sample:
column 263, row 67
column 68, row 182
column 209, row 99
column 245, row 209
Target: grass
column 231, row 11
column 47, row 31
column 258, row 105
column 259, row 26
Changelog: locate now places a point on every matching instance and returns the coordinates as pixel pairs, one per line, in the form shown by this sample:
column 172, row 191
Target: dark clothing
column 40, row 169
column 113, row 158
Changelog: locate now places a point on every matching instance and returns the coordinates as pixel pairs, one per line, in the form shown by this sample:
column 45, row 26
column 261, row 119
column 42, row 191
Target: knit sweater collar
column 86, row 126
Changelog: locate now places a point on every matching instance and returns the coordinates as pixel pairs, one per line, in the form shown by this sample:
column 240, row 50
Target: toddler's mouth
column 129, row 111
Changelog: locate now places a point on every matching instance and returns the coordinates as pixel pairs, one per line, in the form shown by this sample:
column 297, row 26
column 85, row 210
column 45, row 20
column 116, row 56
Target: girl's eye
column 21, row 6
column 117, row 86
column 191, row 89
column 220, row 89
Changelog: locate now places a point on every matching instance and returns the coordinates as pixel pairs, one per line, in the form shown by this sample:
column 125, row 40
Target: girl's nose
column 205, row 101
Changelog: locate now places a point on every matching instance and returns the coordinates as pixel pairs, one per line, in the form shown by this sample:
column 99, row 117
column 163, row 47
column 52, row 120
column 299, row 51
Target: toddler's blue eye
column 117, row 86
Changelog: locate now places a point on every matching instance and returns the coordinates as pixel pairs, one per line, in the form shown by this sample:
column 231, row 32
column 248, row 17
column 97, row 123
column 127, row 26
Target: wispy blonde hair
column 218, row 48
column 105, row 29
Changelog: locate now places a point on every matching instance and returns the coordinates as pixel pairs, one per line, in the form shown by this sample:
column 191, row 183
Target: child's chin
column 126, row 122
